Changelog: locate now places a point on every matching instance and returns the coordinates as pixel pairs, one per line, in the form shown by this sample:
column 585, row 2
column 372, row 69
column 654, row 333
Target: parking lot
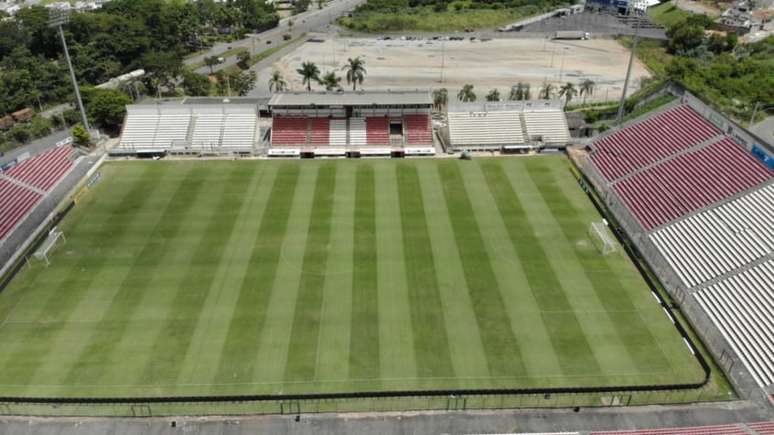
column 487, row 64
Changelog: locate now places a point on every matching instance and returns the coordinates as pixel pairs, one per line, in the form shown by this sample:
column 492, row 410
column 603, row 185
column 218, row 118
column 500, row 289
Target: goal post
column 45, row 248
column 601, row 237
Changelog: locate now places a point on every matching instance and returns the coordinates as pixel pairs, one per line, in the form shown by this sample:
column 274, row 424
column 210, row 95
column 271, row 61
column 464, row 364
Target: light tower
column 58, row 18
column 630, row 10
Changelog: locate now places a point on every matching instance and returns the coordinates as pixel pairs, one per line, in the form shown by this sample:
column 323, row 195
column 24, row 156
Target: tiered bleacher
column 172, row 128
column 23, row 186
column 357, row 131
column 507, row 124
column 338, row 132
column 548, row 125
column 140, row 127
column 690, row 181
column 319, row 131
column 719, row 240
column 351, row 119
column 200, row 127
column 707, row 206
column 44, row 170
column 495, row 128
column 649, row 141
column 742, row 308
column 377, row 130
column 15, row 202
column 419, row 130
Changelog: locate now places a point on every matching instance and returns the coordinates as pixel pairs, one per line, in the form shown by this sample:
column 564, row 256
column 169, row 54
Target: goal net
column 48, row 245
column 601, row 238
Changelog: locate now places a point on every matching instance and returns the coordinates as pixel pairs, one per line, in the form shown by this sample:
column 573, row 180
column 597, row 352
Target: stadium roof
column 350, row 98
column 496, row 106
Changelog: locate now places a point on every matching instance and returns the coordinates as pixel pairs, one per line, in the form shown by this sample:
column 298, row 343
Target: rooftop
column 350, row 98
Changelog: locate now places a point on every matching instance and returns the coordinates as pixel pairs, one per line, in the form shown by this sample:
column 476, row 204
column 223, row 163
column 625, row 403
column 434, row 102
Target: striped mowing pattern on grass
column 267, row 277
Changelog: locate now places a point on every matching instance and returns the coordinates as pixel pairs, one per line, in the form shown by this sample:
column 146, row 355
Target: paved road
column 765, row 130
column 36, row 147
column 303, row 23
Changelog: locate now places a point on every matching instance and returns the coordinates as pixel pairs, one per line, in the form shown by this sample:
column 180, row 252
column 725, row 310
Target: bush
column 20, row 133
column 71, row 116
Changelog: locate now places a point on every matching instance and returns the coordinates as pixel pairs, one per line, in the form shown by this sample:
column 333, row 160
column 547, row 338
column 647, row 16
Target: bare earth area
column 498, row 63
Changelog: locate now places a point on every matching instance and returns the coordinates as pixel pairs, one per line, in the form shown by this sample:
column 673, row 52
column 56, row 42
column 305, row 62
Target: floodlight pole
column 58, row 21
column 619, row 118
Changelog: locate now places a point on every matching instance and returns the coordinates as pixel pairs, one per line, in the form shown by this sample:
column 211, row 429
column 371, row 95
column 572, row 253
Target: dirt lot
column 498, row 63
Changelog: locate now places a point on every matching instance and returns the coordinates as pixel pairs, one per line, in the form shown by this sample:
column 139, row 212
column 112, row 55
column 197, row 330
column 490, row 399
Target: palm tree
column 309, row 72
column 568, row 91
column 440, row 98
column 517, row 92
column 526, row 93
column 547, row 92
column 493, row 95
column 587, row 89
column 277, row 83
column 466, row 94
column 356, row 71
column 331, row 81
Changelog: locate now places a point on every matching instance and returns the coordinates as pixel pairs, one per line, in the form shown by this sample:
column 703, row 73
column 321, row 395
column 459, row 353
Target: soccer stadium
column 372, row 261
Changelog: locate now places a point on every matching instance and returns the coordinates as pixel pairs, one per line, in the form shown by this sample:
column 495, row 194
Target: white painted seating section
column 140, row 127
column 485, row 128
column 551, row 125
column 239, row 131
column 742, row 308
column 172, row 128
column 719, row 240
column 357, row 131
column 338, row 132
column 207, row 130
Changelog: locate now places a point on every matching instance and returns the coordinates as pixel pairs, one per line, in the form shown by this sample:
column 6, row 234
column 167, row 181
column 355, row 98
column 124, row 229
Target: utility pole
column 443, row 58
column 58, row 18
column 629, row 68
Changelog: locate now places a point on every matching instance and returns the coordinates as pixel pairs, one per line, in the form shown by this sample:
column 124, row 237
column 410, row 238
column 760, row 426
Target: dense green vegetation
column 122, row 36
column 442, row 15
column 667, row 14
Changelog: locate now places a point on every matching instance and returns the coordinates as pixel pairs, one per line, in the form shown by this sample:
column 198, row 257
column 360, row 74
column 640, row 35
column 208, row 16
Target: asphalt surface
column 36, row 147
column 455, row 422
column 306, row 22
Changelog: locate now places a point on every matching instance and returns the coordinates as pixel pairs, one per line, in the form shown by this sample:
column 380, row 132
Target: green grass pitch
column 223, row 277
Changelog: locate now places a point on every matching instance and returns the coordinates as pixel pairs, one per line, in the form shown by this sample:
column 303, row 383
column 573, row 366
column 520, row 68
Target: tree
column 331, row 81
column 519, row 92
column 237, row 82
column 301, row 6
column 684, row 38
column 277, row 82
column 107, row 107
column 466, row 94
column 547, row 92
column 568, row 91
column 440, row 98
column 587, row 89
column 211, row 61
column 527, row 92
column 243, row 82
column 493, row 95
column 243, row 58
column 309, row 72
column 195, row 85
column 356, row 71
column 81, row 137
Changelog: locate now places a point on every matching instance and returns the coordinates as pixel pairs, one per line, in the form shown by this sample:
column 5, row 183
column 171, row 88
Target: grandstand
column 197, row 128
column 353, row 121
column 704, row 205
column 23, row 186
column 506, row 125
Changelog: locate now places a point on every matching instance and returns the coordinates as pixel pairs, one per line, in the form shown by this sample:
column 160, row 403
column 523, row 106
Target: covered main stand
column 362, row 123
